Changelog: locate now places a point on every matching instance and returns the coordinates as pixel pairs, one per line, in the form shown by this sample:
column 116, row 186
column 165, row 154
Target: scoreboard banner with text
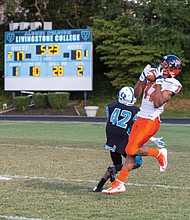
column 52, row 60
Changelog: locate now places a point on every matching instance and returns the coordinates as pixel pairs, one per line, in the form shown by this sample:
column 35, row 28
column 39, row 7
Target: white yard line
column 159, row 186
column 18, row 218
column 9, row 177
column 50, row 147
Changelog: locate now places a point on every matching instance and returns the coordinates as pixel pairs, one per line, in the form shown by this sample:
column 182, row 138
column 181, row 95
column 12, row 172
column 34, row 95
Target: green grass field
column 47, row 171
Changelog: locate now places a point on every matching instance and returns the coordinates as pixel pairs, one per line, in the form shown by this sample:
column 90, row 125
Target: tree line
column 127, row 34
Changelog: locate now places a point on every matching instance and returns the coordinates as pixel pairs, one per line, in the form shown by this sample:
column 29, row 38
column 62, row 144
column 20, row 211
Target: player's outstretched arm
column 139, row 88
column 141, row 84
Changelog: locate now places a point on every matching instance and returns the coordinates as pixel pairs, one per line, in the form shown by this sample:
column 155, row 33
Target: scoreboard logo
column 10, row 37
column 85, row 35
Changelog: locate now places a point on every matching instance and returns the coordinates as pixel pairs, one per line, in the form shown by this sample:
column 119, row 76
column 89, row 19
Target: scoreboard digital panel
column 52, row 60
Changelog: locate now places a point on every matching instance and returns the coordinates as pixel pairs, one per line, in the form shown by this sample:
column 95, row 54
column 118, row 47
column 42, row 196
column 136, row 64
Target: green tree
column 78, row 13
column 121, row 49
column 166, row 27
column 2, row 30
column 10, row 6
column 144, row 33
column 27, row 11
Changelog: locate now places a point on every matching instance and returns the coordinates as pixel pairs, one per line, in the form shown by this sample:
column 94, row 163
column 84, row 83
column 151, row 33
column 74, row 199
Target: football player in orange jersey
column 120, row 118
column 155, row 96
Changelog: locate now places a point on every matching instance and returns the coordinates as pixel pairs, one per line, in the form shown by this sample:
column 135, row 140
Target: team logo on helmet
column 177, row 63
column 123, row 96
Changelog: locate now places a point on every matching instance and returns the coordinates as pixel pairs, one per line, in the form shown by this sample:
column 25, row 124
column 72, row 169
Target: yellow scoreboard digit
column 15, row 71
column 53, row 49
column 19, row 55
column 76, row 55
column 58, row 71
column 10, row 55
column 35, row 71
column 80, row 70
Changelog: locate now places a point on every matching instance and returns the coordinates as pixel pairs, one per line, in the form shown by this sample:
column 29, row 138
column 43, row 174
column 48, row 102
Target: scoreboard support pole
column 85, row 98
column 13, row 95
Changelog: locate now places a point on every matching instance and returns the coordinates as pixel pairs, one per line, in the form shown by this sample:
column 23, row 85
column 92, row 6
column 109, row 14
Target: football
column 151, row 76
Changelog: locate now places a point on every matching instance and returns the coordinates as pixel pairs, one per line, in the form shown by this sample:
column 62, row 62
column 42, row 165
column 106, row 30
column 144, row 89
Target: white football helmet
column 126, row 96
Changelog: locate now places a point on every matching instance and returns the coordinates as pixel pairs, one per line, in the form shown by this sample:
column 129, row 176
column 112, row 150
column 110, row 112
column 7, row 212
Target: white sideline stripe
column 19, row 218
column 5, row 178
column 9, row 177
column 158, row 186
column 50, row 147
column 61, row 148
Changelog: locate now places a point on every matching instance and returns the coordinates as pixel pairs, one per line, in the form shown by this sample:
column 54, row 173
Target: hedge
column 58, row 100
column 40, row 100
column 21, row 103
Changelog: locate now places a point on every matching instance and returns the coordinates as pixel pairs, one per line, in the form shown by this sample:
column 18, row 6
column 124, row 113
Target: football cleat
column 96, row 189
column 115, row 187
column 162, row 159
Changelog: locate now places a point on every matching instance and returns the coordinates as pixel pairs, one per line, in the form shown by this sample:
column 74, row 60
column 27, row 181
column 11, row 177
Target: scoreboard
column 48, row 60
